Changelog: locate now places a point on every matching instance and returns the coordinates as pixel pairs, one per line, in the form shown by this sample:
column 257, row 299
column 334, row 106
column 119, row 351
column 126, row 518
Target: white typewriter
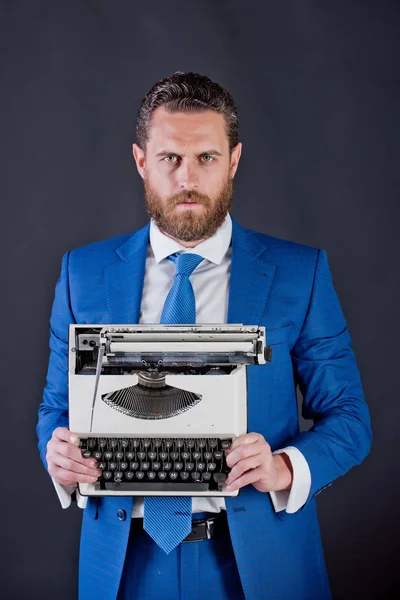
column 158, row 405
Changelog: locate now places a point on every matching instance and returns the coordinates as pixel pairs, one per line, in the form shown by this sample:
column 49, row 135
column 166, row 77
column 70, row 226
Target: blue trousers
column 192, row 571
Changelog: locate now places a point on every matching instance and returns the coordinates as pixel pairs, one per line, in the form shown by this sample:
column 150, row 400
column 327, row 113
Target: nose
column 187, row 176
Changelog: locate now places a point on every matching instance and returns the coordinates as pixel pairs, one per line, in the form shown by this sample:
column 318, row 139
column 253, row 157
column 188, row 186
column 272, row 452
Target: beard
column 188, row 225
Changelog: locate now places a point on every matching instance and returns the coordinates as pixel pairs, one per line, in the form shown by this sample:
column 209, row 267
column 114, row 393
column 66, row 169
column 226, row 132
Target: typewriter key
column 184, row 475
column 189, row 466
column 173, row 475
column 151, row 475
column 156, row 466
column 219, row 477
column 129, row 475
column 139, row 475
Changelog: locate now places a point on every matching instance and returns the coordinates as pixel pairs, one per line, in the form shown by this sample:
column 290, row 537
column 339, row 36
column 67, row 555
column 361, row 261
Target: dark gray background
column 317, row 87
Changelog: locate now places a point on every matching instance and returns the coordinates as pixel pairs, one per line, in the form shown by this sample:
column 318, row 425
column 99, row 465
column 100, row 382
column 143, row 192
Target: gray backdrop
column 317, row 86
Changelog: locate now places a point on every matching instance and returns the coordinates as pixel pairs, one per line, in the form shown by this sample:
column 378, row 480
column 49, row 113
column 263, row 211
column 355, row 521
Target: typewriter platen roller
column 156, row 405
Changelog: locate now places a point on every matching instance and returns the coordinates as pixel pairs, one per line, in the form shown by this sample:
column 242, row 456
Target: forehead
column 187, row 128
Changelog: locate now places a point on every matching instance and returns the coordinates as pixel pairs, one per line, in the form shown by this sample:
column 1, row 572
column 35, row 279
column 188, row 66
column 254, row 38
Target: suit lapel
column 251, row 277
column 124, row 279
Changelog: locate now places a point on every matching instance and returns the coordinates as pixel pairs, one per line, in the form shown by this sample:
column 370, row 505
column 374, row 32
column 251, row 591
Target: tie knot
column 186, row 263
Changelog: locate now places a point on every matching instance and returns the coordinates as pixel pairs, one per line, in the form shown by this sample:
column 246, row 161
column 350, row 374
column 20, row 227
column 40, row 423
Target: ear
column 235, row 157
column 139, row 156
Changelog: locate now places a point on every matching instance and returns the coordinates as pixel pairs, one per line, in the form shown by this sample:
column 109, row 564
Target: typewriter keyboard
column 159, row 464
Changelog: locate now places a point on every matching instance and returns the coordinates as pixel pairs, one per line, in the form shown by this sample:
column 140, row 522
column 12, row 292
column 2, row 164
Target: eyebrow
column 168, row 153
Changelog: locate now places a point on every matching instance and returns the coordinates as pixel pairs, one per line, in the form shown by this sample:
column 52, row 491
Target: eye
column 208, row 156
column 170, row 156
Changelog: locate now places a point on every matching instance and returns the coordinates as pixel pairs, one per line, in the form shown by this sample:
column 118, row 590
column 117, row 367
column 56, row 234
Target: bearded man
column 266, row 544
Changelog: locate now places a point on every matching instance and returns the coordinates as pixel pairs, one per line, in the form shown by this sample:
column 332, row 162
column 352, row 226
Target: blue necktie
column 168, row 519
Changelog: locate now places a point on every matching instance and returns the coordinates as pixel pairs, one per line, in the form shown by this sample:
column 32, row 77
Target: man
column 267, row 542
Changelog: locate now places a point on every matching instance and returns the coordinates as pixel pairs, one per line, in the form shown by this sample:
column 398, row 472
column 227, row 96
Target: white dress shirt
column 210, row 281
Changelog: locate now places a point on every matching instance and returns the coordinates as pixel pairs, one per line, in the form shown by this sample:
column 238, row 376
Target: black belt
column 213, row 527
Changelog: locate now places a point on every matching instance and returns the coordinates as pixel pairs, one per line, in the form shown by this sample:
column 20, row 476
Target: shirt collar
column 212, row 249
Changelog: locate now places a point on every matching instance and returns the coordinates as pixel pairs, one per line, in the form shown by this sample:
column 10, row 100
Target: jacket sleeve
column 326, row 371
column 53, row 411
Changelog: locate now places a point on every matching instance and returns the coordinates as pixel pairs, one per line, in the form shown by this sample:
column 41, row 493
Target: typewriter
column 157, row 405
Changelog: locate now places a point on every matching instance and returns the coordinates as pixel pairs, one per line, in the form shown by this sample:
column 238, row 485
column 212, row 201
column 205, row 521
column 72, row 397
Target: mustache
column 189, row 196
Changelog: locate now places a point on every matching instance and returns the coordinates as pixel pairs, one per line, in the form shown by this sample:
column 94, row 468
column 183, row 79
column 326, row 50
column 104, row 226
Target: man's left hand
column 251, row 461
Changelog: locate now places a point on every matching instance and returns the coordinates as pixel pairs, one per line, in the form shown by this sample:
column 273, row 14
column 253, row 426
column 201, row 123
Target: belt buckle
column 208, row 526
column 198, row 537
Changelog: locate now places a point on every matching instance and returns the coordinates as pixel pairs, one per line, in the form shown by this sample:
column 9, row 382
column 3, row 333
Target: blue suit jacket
column 288, row 288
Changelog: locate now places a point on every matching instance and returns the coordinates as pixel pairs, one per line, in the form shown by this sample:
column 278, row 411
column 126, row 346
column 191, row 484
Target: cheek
column 162, row 182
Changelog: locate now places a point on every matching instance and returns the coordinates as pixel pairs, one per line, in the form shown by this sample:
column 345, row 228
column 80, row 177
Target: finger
column 66, row 477
column 65, row 435
column 244, row 465
column 242, row 452
column 246, row 438
column 67, row 449
column 76, row 467
column 247, row 478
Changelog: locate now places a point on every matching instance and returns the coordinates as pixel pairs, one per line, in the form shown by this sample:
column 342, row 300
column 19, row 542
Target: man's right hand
column 65, row 461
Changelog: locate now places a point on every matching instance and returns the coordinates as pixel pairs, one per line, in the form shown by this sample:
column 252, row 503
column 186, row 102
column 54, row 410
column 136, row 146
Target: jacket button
column 121, row 514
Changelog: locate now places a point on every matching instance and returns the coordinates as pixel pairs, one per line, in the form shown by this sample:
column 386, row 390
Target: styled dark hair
column 187, row 92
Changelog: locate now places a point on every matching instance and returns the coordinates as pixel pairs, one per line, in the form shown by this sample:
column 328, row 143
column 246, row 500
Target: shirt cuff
column 296, row 497
column 64, row 493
